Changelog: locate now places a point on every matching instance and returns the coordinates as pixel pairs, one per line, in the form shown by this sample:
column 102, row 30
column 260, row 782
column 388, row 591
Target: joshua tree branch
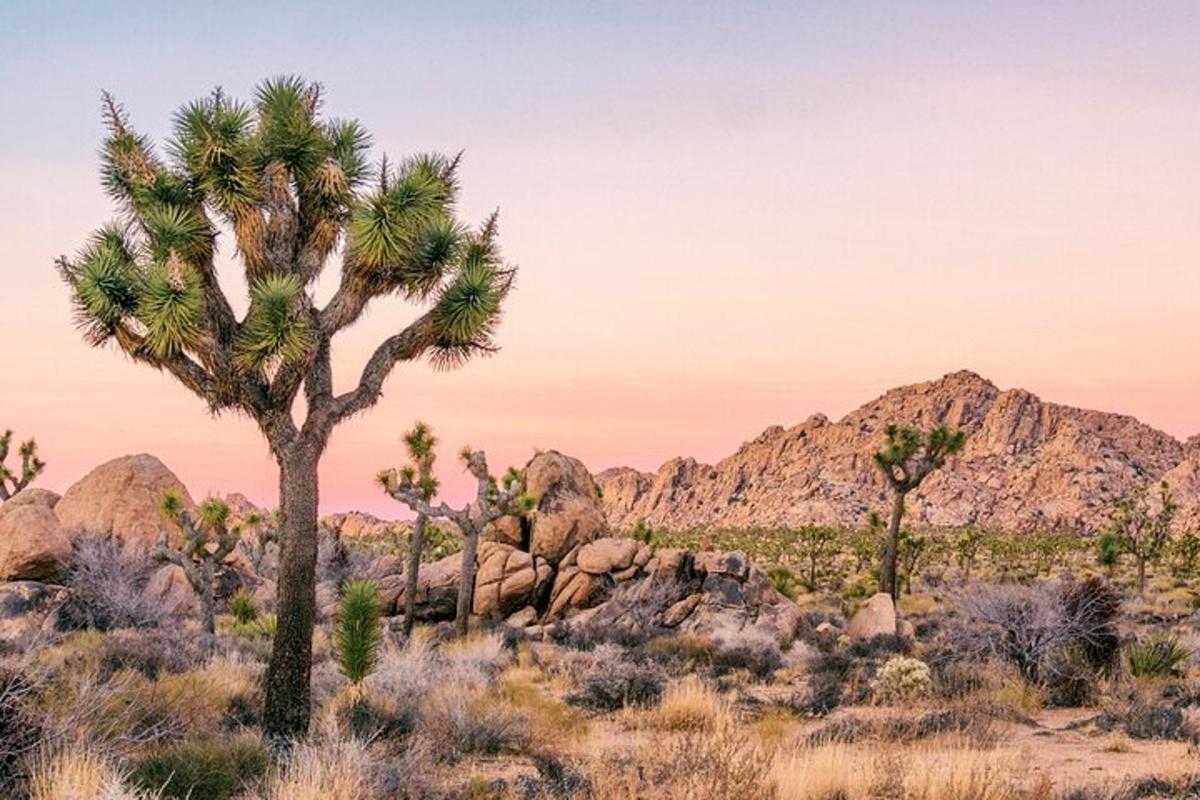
column 407, row 345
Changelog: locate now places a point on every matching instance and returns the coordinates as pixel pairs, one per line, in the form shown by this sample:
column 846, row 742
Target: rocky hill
column 1027, row 464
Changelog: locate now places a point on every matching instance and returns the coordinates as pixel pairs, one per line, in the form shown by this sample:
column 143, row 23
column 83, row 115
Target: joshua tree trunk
column 466, row 590
column 887, row 572
column 287, row 708
column 415, row 545
column 1141, row 575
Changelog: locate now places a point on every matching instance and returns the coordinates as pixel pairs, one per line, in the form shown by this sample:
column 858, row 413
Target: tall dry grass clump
column 690, row 704
column 80, row 774
column 338, row 769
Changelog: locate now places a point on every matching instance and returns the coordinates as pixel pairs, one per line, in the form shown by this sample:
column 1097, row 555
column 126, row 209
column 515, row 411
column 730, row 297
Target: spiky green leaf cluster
column 107, row 284
column 358, row 634
column 171, row 504
column 213, row 511
column 276, row 328
column 170, row 306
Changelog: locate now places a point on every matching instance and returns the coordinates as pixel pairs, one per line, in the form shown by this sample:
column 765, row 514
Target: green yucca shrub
column 358, row 632
column 242, row 606
column 784, row 581
column 1158, row 656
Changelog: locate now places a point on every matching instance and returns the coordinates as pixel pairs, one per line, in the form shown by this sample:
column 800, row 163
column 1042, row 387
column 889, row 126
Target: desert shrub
column 107, row 582
column 824, row 692
column 1046, row 631
column 476, row 660
column 680, row 649
column 393, row 693
column 880, row 646
column 1069, row 680
column 151, row 652
column 1158, row 656
column 612, row 682
column 1146, row 721
column 201, row 769
column 358, row 632
column 902, row 679
column 556, row 779
column 458, row 723
column 20, row 725
column 759, row 656
column 242, row 607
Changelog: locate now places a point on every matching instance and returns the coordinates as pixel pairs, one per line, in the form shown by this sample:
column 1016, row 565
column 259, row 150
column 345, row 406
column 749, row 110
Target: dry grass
column 334, row 770
column 80, row 774
column 836, row 771
column 689, row 704
column 553, row 724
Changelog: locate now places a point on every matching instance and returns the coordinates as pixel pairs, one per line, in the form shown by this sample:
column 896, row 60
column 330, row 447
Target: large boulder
column 569, row 512
column 508, row 579
column 875, row 617
column 169, row 591
column 121, row 498
column 33, row 545
column 436, row 591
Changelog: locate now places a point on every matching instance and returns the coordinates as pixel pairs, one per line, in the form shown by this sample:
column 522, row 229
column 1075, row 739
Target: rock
column 905, row 629
column 826, row 629
column 327, row 600
column 28, row 609
column 573, row 589
column 607, row 555
column 507, row 530
column 385, row 565
column 33, row 545
column 680, row 611
column 437, row 590
column 507, row 579
column 875, row 617
column 168, row 590
column 569, row 512
column 121, row 498
column 357, row 525
column 523, row 618
column 1027, row 464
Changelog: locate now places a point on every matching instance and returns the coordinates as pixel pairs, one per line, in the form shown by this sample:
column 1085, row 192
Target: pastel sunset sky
column 726, row 215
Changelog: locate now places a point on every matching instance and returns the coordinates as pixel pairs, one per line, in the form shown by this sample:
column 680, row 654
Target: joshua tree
column 492, row 501
column 1141, row 530
column 1186, row 550
column 911, row 547
column 207, row 540
column 420, row 442
column 966, row 547
column 292, row 186
column 907, row 458
column 819, row 544
column 866, row 542
column 31, row 466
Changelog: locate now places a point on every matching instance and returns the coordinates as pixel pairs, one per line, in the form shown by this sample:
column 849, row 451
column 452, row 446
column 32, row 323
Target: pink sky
column 722, row 222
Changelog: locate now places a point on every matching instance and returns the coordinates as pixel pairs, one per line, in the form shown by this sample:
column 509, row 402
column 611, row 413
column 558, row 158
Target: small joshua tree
column 1143, row 531
column 207, row 540
column 492, row 501
column 31, row 466
column 912, row 547
column 1186, row 550
column 819, row 545
column 420, row 442
column 907, row 458
column 867, row 542
column 358, row 632
column 266, row 531
column 966, row 548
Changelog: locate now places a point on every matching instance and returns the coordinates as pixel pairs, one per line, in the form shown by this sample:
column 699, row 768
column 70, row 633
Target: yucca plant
column 415, row 486
column 31, row 466
column 295, row 188
column 207, row 540
column 358, row 633
column 242, row 607
column 1156, row 657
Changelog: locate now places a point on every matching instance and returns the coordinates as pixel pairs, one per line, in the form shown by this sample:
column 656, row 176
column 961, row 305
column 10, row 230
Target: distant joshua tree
column 492, row 501
column 1142, row 530
column 820, row 545
column 31, row 466
column 966, row 548
column 207, row 540
column 295, row 189
column 420, row 442
column 907, row 458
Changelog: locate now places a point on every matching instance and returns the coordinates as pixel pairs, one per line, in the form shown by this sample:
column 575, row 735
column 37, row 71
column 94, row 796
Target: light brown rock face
column 1027, row 464
column 508, row 579
column 32, row 543
column 569, row 512
column 121, row 497
column 875, row 617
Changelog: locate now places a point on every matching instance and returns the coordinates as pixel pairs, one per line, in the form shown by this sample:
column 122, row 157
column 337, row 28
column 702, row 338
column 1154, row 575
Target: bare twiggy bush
column 107, row 582
column 459, row 723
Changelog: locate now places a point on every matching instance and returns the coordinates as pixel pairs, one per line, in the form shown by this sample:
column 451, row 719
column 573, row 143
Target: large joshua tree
column 907, row 457
column 294, row 190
